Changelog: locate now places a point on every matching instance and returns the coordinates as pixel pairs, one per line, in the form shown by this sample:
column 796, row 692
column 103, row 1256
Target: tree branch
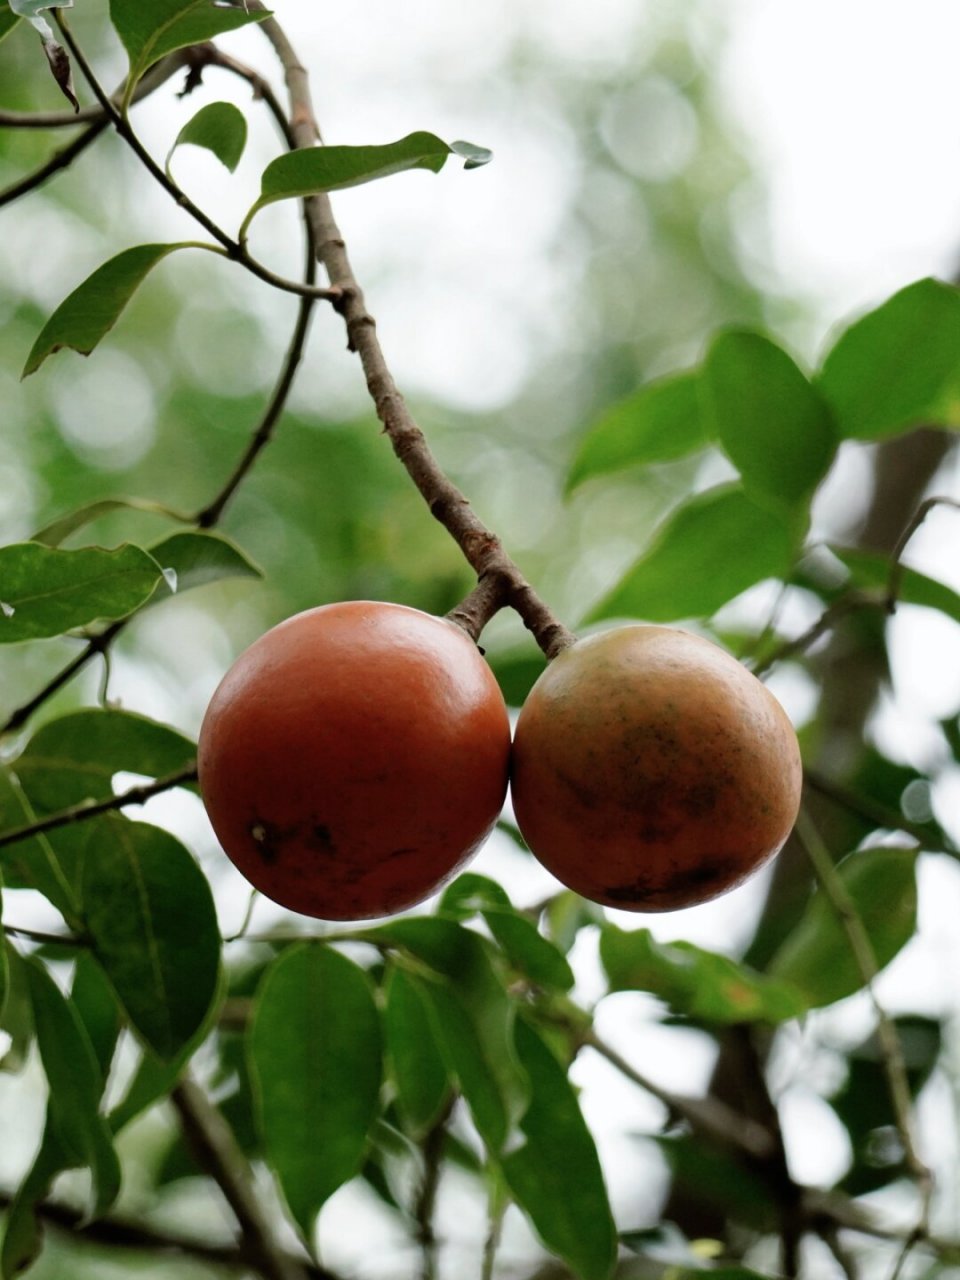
column 216, row 1151
column 93, row 808
column 127, row 1234
column 482, row 549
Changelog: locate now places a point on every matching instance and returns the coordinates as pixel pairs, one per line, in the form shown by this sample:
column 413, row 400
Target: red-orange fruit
column 652, row 771
column 354, row 757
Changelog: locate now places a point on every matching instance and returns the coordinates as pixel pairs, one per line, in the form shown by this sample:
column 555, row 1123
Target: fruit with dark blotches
column 652, row 771
column 354, row 757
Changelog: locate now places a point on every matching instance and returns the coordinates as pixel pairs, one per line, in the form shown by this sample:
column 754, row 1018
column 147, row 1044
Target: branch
column 706, row 1115
column 236, row 251
column 127, row 1234
column 93, row 808
column 879, row 814
column 215, row 1148
column 481, row 548
column 891, row 1049
column 896, row 566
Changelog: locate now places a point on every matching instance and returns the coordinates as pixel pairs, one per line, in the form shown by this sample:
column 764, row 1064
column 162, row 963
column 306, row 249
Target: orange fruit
column 652, row 771
column 354, row 757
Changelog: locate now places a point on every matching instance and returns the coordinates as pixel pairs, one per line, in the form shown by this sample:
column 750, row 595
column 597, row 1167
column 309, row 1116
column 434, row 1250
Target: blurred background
column 661, row 169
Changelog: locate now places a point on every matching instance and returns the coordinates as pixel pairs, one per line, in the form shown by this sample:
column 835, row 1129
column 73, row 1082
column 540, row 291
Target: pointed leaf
column 195, row 559
column 297, row 174
column 817, row 956
column 699, row 984
column 472, row 1015
column 4, row 962
column 774, row 426
column 315, row 1048
column 45, row 592
column 526, row 949
column 898, row 367
column 96, row 1004
column 658, row 423
column 150, row 31
column 417, row 1066
column 153, row 927
column 219, row 127
column 88, row 314
column 555, row 1176
column 75, row 1084
column 710, row 549
column 51, row 535
column 23, row 1234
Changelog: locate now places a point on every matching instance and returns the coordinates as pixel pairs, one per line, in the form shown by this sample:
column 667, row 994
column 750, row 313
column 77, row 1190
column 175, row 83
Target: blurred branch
column 432, row 1151
column 896, row 566
column 708, row 1116
column 128, row 1234
column 891, row 1050
column 879, row 814
column 216, row 1151
column 93, row 808
column 482, row 549
column 42, row 938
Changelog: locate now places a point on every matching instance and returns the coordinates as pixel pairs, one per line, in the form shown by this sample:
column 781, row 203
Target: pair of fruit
column 356, row 755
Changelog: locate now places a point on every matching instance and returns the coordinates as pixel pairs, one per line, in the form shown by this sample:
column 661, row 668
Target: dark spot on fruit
column 319, row 838
column 701, row 800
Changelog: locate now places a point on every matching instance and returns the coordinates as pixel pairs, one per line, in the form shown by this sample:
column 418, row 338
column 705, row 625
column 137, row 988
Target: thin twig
column 128, row 1234
column 879, row 814
column 482, row 549
column 891, row 1050
column 95, row 645
column 432, row 1151
column 94, row 808
column 234, row 249
column 896, row 556
column 42, row 938
column 852, row 602
column 217, row 1152
column 706, row 1115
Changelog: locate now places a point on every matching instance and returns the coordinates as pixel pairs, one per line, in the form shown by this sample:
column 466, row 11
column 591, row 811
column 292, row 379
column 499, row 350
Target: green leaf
column 658, row 423
column 74, row 758
column 696, row 983
column 16, row 1015
column 32, row 864
column 150, row 31
column 774, row 426
column 23, row 1236
column 96, row 1004
column 898, row 367
column 153, row 927
column 526, row 949
column 46, row 592
column 51, row 535
column 219, row 127
column 315, row 1048
column 88, row 314
column 417, row 1066
column 472, row 1016
column 8, row 20
column 817, row 956
column 710, row 549
column 75, row 1085
column 307, row 172
column 871, row 571
column 717, row 1177
column 555, row 1175
column 194, row 559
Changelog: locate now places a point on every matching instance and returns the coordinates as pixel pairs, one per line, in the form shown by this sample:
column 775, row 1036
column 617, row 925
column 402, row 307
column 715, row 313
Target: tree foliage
column 443, row 1047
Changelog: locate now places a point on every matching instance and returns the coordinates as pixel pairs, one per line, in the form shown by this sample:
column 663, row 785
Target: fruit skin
column 652, row 771
column 354, row 757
